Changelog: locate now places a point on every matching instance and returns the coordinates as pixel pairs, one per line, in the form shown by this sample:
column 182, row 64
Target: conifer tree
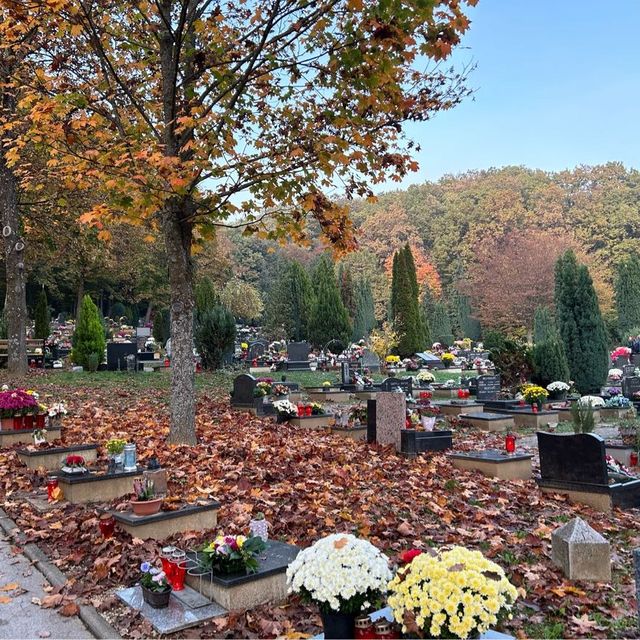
column 550, row 361
column 347, row 290
column 364, row 320
column 329, row 317
column 580, row 324
column 394, row 286
column 42, row 316
column 88, row 339
column 544, row 325
column 627, row 290
column 466, row 325
column 440, row 324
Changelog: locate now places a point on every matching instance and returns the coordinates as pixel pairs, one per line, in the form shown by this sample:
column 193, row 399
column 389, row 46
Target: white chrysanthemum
column 339, row 566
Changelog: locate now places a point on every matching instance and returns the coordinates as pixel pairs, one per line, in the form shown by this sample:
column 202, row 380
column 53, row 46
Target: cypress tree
column 580, row 324
column 205, row 296
column 364, row 320
column 88, row 339
column 302, row 296
column 627, row 290
column 394, row 286
column 407, row 320
column 544, row 325
column 42, row 316
column 347, row 290
column 550, row 362
column 467, row 325
column 329, row 318
column 214, row 335
column 440, row 324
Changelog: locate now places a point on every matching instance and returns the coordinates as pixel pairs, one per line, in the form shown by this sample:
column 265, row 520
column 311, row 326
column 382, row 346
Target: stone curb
column 96, row 624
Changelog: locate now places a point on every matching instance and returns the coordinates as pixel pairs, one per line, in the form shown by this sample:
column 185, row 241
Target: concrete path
column 19, row 616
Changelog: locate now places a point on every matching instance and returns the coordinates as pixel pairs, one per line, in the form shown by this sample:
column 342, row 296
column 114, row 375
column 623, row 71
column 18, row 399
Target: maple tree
column 192, row 116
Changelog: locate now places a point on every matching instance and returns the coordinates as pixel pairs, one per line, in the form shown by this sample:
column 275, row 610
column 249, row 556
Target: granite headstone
column 391, row 414
column 488, row 387
column 298, row 351
column 243, row 387
column 573, row 458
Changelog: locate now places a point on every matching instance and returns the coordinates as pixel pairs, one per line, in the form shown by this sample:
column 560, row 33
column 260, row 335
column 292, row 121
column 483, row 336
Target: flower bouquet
column 343, row 575
column 558, row 390
column 615, row 375
column 232, row 554
column 425, row 377
column 620, row 352
column 74, row 465
column 358, row 414
column 156, row 589
column 534, row 394
column 115, row 449
column 279, row 390
column 285, row 410
column 317, row 409
column 617, row 402
column 14, row 405
column 447, row 359
column 452, row 593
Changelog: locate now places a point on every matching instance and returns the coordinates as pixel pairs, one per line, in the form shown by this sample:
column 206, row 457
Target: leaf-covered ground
column 309, row 485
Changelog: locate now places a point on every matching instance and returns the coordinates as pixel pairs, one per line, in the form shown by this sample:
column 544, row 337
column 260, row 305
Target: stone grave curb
column 96, row 624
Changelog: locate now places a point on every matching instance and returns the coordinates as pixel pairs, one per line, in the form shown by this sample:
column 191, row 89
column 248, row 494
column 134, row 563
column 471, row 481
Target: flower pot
column 428, row 422
column 259, row 528
column 118, row 458
column 156, row 599
column 146, row 507
column 338, row 625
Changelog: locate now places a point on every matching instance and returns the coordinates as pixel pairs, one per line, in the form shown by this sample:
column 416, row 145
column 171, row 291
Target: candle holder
column 510, row 443
column 178, row 569
column 308, row 410
column 167, row 566
column 633, row 458
column 106, row 524
column 52, row 485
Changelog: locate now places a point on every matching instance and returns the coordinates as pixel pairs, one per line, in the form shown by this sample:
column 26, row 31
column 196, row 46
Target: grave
column 162, row 525
column 51, row 459
column 256, row 350
column 413, row 442
column 393, row 384
column 327, row 394
column 298, row 356
column 488, row 388
column 311, row 422
column 186, row 609
column 246, row 591
column 369, row 393
column 353, row 433
column 565, row 415
column 117, row 354
column 370, row 361
column 630, row 386
column 454, row 408
column 390, row 415
column 490, row 421
column 608, row 414
column 501, row 404
column 575, row 465
column 526, row 417
column 242, row 396
column 495, row 464
column 97, row 486
column 445, row 393
column 25, row 436
column 581, row 552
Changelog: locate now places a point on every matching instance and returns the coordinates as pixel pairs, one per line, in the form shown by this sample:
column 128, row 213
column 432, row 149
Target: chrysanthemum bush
column 285, row 408
column 340, row 573
column 425, row 376
column 452, row 593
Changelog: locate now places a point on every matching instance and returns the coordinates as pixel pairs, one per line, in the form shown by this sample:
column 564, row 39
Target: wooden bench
column 35, row 351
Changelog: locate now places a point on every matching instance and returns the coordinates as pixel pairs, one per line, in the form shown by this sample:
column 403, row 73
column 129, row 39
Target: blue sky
column 557, row 85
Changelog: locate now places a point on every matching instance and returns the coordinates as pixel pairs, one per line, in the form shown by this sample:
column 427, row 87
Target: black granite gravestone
column 243, row 387
column 630, row 385
column 256, row 349
column 371, row 421
column 392, row 384
column 572, row 458
column 413, row 442
column 117, row 353
column 298, row 351
column 488, row 387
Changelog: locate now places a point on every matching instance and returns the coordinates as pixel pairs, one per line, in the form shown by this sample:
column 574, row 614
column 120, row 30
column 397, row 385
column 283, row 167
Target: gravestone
column 488, row 388
column 117, row 353
column 635, row 359
column 243, row 387
column 371, row 421
column 573, row 458
column 370, row 361
column 345, row 373
column 256, row 349
column 620, row 362
column 628, row 369
column 298, row 351
column 630, row 386
column 391, row 414
column 392, row 384
column 581, row 552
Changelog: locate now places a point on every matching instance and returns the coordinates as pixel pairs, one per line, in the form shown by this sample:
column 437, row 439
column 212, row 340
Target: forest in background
column 488, row 239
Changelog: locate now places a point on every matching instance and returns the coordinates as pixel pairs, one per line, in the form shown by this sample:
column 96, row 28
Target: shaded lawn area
column 310, row 484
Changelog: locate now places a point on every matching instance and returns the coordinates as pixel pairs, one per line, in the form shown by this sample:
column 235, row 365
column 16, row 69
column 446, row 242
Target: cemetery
column 275, row 362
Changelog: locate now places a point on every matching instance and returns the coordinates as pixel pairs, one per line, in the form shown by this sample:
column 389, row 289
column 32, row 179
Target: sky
column 556, row 86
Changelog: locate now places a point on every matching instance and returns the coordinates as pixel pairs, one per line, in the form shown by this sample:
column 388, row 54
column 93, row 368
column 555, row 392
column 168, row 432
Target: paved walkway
column 19, row 616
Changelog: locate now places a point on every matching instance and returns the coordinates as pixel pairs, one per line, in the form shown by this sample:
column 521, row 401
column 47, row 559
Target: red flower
column 407, row 556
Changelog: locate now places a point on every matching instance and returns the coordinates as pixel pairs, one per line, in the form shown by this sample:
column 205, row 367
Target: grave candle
column 461, row 394
column 106, row 525
column 167, row 565
column 308, row 410
column 300, row 410
column 364, row 628
column 178, row 569
column 633, row 458
column 510, row 443
column 130, row 457
column 52, row 485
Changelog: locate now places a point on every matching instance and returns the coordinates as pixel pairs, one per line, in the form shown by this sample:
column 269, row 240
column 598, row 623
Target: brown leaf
column 10, row 587
column 339, row 544
column 70, row 609
column 5, row 600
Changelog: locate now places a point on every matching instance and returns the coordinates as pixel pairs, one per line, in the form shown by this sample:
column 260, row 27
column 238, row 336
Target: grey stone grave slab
column 581, row 552
column 177, row 616
column 390, row 416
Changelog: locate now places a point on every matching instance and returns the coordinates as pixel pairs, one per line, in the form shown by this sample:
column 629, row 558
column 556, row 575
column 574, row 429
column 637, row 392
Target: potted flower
column 74, row 465
column 115, row 449
column 558, row 390
column 358, row 574
column 447, row 359
column 259, row 527
column 279, row 390
column 232, row 554
column 156, row 589
column 615, row 375
column 452, row 593
column 285, row 410
column 316, row 409
column 428, row 416
column 620, row 356
column 425, row 378
column 55, row 413
column 629, row 432
column 145, row 502
column 39, row 436
column 535, row 395
column 358, row 414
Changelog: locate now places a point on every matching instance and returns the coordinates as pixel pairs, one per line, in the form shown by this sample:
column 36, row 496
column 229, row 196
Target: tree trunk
column 177, row 236
column 147, row 315
column 16, row 297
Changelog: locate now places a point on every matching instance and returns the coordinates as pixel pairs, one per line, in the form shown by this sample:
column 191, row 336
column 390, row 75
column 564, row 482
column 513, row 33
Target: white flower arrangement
column 57, row 410
column 596, row 401
column 339, row 573
column 615, row 374
column 558, row 385
column 425, row 376
column 285, row 408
